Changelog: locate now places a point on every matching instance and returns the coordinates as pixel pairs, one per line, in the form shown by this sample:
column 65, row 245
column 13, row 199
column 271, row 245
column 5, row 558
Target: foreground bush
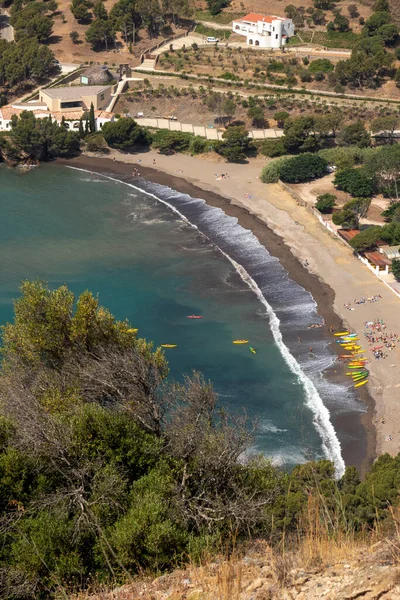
column 325, row 203
column 106, row 469
column 303, row 168
column 354, row 182
column 125, row 134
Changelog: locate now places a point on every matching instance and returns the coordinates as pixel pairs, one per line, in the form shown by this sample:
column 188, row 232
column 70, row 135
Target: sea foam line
column 322, row 422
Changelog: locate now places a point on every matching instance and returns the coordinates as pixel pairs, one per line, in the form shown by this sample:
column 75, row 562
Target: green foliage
column 124, row 133
column 257, row 116
column 199, row 145
column 346, row 218
column 30, row 21
column 273, row 148
column 42, row 139
column 235, row 144
column 25, row 60
column 207, row 31
column 343, row 157
column 280, row 117
column 354, row 134
column 321, row 64
column 354, row 182
column 359, row 206
column 396, row 268
column 216, row 6
column 271, row 172
column 96, row 143
column 101, row 32
column 366, row 239
column 303, row 168
column 325, row 203
column 169, row 142
column 389, row 212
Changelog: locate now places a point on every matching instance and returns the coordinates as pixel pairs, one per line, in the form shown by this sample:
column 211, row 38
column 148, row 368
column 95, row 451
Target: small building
column 97, row 75
column 348, row 234
column 76, row 97
column 264, row 31
column 378, row 261
column 390, row 252
column 71, row 118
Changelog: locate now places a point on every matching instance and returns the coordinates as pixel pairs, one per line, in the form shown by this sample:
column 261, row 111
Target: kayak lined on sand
column 361, row 383
column 342, row 333
column 240, row 342
column 194, row 317
column 253, row 350
column 169, row 345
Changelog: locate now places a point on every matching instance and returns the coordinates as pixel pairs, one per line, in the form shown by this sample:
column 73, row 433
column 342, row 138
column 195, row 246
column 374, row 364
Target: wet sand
column 356, row 432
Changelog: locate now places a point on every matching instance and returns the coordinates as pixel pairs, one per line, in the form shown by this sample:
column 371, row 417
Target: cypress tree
column 81, row 130
column 86, row 124
column 92, row 120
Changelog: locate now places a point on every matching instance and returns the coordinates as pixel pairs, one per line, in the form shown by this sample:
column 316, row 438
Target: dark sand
column 355, row 431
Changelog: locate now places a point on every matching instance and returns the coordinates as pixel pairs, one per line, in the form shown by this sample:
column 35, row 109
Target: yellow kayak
column 342, row 333
column 240, row 342
column 169, row 345
column 361, row 383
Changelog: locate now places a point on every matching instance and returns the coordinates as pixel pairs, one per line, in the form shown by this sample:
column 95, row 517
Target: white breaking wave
column 330, row 443
column 270, row 427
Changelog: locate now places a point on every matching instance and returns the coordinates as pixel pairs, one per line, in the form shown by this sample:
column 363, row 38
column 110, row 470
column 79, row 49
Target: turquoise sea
column 155, row 256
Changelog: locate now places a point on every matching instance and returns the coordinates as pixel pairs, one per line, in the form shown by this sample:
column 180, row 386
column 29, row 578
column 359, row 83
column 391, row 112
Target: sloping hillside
column 370, row 573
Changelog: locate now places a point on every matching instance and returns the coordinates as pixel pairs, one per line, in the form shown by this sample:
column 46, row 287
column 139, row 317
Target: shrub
column 390, row 211
column 124, row 133
column 366, row 239
column 198, row 145
column 346, row 219
column 396, row 268
column 303, row 168
column 322, row 65
column 354, row 182
column 325, row 203
column 169, row 142
column 271, row 172
column 359, row 206
column 96, row 143
column 273, row 148
column 280, row 117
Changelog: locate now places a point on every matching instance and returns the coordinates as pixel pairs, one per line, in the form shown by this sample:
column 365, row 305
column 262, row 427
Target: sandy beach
column 333, row 276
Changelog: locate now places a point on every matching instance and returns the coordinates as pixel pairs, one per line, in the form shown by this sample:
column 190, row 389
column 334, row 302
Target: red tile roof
column 254, row 17
column 377, row 259
column 348, row 234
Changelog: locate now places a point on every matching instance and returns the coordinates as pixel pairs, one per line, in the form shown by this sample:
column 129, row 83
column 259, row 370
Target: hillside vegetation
column 107, row 469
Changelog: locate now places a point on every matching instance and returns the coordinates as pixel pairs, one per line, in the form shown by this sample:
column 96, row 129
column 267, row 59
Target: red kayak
column 376, row 348
column 195, row 317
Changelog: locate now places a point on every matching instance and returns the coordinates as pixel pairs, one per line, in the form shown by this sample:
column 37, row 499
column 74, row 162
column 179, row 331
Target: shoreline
column 356, row 430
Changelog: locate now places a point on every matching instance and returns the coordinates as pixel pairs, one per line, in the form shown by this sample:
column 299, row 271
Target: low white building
column 264, row 31
column 41, row 111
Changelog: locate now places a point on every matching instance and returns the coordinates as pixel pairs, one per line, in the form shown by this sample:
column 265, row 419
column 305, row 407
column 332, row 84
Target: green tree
column 396, row 268
column 100, row 11
column 229, row 108
column 325, row 203
column 235, row 144
column 303, row 168
column 280, row 117
column 341, row 23
column 366, row 239
column 355, row 182
column 92, row 119
column 321, row 64
column 386, row 126
column 124, row 134
column 80, row 10
column 346, row 219
column 273, row 148
column 100, row 32
column 354, row 134
column 257, row 116
column 74, row 35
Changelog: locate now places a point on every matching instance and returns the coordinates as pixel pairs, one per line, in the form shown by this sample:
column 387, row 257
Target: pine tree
column 81, row 130
column 92, row 120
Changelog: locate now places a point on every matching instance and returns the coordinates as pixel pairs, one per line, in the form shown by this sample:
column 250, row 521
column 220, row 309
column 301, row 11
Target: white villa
column 264, row 31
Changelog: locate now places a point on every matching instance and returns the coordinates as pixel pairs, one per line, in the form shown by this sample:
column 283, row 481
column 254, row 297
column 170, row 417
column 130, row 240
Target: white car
column 212, row 40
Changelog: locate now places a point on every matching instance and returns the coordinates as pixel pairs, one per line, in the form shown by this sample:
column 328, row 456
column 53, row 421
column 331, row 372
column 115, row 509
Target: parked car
column 212, row 40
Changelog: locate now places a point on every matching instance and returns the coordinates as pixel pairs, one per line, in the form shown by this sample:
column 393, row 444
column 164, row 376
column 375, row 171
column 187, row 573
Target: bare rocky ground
column 371, row 573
